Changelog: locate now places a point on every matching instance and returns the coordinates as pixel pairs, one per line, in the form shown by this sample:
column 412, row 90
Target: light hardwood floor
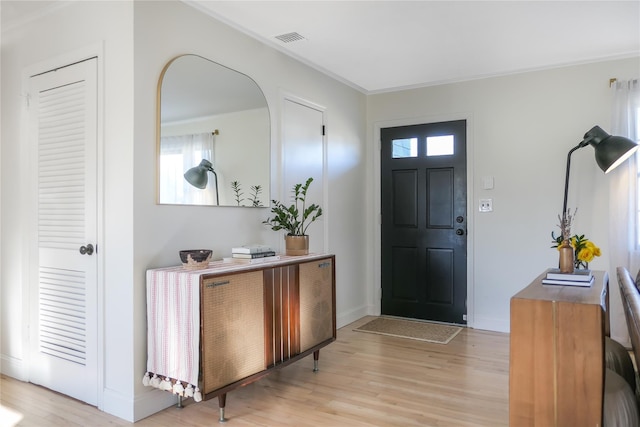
column 364, row 380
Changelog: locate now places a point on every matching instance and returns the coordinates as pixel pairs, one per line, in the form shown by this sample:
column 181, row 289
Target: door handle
column 86, row 250
column 459, row 231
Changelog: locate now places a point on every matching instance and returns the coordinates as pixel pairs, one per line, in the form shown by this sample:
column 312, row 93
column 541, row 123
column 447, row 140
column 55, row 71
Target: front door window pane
column 402, row 148
column 440, row 145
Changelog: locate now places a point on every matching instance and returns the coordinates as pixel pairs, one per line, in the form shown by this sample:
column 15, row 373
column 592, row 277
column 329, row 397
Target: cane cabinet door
column 317, row 303
column 233, row 339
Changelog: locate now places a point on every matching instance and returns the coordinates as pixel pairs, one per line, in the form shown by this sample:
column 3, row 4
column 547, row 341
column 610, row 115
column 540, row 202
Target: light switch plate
column 487, row 183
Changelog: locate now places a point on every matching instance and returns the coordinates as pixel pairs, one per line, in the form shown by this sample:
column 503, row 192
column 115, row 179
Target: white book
column 568, row 282
column 576, row 276
column 256, row 260
column 254, row 255
column 251, row 249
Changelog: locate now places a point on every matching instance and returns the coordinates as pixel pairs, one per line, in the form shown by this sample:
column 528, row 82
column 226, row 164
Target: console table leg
column 222, row 402
column 316, row 356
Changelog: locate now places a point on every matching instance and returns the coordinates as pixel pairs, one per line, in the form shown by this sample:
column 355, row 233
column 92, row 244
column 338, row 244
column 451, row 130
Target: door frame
column 375, row 292
column 278, row 178
column 27, row 175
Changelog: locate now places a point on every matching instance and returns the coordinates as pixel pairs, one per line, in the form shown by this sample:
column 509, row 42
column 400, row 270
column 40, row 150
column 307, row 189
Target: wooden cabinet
column 556, row 370
column 253, row 318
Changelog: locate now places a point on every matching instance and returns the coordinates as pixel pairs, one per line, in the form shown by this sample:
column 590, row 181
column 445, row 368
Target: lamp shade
column 197, row 176
column 610, row 151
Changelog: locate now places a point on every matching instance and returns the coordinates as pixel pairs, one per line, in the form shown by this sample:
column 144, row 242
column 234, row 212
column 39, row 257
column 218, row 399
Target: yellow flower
column 586, row 254
column 596, row 250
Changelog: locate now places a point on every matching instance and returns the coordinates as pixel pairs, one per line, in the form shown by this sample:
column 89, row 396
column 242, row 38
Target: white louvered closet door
column 63, row 130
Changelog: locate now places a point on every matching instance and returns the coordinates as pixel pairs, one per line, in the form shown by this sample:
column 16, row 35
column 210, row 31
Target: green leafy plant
column 296, row 218
column 253, row 198
column 235, row 185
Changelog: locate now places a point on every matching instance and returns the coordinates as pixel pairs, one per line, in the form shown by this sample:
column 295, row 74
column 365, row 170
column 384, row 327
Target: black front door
column 424, row 217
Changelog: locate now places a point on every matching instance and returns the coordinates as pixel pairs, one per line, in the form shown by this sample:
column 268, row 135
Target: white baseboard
column 145, row 404
column 152, row 401
column 491, row 324
column 14, row 368
column 117, row 404
column 344, row 319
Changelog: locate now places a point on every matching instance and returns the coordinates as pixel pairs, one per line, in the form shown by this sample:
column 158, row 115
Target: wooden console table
column 557, row 367
column 213, row 330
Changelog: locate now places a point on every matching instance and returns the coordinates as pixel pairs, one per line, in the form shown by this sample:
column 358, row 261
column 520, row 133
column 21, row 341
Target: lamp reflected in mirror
column 197, row 176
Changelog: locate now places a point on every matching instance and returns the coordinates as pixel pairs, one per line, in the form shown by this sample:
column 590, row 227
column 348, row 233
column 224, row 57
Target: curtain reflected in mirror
column 212, row 115
column 177, row 155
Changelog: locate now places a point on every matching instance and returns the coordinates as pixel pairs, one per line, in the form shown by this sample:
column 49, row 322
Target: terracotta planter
column 296, row 245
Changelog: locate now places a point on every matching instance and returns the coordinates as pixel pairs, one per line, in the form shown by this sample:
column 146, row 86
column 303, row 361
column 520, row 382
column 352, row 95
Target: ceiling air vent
column 290, row 37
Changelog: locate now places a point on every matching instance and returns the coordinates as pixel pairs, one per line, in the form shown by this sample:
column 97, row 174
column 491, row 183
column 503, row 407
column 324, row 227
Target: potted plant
column 295, row 219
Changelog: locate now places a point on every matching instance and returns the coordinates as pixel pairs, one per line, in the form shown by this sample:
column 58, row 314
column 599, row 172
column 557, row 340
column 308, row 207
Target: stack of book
column 577, row 278
column 253, row 254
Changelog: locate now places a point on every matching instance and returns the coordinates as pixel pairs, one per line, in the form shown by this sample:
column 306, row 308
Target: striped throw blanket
column 173, row 331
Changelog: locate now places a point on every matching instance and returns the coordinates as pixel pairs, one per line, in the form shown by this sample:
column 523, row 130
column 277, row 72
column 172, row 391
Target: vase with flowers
column 578, row 248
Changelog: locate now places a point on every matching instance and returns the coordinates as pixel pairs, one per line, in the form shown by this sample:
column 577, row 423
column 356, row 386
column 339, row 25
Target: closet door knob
column 86, row 250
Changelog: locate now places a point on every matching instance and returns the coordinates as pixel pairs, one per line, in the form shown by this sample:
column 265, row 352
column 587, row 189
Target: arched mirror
column 213, row 136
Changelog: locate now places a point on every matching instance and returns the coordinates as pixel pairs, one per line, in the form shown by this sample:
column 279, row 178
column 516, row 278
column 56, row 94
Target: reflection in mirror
column 214, row 136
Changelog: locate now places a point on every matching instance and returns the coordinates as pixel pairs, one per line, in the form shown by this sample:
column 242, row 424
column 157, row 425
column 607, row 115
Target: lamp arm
column 584, row 143
column 215, row 179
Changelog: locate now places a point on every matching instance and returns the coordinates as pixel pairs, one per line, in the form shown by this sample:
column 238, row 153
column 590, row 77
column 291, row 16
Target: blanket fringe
column 169, row 384
column 188, row 392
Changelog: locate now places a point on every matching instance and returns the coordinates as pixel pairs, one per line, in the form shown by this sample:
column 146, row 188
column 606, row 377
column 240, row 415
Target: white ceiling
column 378, row 46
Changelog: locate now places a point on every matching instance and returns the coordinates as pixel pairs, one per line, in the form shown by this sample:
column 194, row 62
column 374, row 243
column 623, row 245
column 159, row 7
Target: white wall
column 164, row 30
column 521, row 129
column 104, row 28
